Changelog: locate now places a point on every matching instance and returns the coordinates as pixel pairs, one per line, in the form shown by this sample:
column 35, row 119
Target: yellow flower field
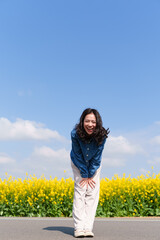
column 124, row 196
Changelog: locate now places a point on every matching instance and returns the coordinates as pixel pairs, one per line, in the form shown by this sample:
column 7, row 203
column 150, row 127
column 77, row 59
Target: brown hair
column 100, row 132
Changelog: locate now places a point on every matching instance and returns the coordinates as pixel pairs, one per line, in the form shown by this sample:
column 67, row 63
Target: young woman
column 88, row 139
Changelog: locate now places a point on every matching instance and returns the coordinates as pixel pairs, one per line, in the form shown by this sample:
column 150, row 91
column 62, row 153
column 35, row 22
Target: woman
column 88, row 139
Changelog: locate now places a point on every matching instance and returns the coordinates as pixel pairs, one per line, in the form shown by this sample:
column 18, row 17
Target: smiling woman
column 88, row 139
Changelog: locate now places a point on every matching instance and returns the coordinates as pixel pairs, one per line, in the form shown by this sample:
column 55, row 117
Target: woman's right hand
column 87, row 181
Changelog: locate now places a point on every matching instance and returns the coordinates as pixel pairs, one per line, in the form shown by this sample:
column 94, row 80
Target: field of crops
column 43, row 197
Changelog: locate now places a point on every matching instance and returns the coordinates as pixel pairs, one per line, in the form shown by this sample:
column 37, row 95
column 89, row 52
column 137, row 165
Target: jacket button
column 87, row 155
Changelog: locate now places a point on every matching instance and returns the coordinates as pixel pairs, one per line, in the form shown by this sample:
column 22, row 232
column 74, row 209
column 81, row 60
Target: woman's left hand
column 91, row 183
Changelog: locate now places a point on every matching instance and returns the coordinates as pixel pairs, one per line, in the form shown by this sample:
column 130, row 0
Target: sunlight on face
column 89, row 123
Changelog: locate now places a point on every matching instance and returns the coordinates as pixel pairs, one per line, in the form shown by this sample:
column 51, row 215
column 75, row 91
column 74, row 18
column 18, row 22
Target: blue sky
column 59, row 57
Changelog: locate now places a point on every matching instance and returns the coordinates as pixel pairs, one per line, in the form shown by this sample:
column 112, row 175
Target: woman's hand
column 87, row 181
column 91, row 183
column 84, row 182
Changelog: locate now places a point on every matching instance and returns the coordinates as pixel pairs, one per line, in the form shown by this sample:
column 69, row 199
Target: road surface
column 15, row 228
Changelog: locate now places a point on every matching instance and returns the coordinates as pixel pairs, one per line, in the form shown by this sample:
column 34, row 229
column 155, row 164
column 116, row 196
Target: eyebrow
column 90, row 120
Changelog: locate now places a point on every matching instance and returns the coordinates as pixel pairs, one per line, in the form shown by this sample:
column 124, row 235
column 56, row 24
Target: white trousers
column 85, row 200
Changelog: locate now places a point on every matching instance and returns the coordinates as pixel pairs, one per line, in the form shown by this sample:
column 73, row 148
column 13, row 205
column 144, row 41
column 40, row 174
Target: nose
column 90, row 124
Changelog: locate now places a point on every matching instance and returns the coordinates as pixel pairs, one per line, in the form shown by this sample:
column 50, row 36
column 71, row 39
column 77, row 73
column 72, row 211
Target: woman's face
column 89, row 123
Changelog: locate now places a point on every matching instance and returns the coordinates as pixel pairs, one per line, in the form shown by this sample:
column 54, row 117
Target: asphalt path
column 15, row 228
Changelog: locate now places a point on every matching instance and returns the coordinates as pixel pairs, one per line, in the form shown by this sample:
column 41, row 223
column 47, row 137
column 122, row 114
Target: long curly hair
column 100, row 132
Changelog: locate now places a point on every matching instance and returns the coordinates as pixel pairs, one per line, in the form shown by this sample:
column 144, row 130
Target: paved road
column 62, row 229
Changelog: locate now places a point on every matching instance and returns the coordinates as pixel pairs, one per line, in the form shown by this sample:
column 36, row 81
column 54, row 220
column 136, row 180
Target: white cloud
column 43, row 160
column 47, row 161
column 155, row 161
column 4, row 158
column 143, row 171
column 129, row 152
column 120, row 145
column 118, row 151
column 113, row 162
column 45, row 152
column 26, row 130
column 155, row 140
column 158, row 122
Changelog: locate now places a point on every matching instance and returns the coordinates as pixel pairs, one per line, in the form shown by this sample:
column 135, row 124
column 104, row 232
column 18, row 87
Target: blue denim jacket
column 86, row 156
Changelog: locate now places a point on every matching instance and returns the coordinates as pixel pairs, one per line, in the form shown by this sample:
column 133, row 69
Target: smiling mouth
column 89, row 130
